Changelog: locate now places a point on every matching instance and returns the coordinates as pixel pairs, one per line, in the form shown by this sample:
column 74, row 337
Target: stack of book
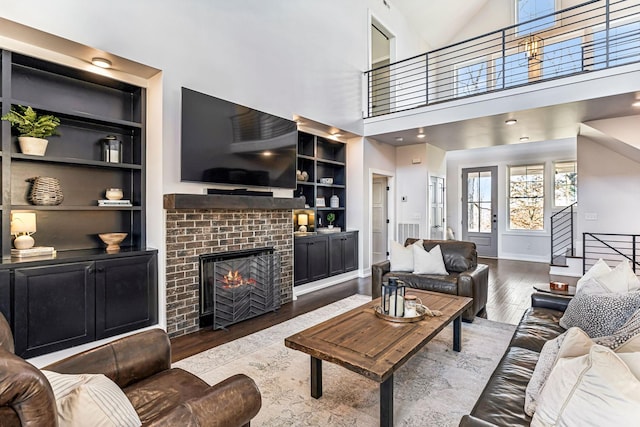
column 114, row 203
column 35, row 251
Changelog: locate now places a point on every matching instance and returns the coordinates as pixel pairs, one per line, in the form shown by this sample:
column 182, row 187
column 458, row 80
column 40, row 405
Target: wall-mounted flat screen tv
column 226, row 143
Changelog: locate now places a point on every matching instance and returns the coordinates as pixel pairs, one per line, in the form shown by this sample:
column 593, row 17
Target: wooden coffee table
column 373, row 347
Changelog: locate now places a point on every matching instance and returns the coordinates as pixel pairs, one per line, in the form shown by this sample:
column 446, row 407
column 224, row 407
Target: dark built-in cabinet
column 65, row 304
column 82, row 293
column 322, row 158
column 324, row 255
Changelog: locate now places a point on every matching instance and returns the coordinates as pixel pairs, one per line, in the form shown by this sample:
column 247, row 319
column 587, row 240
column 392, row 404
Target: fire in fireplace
column 238, row 285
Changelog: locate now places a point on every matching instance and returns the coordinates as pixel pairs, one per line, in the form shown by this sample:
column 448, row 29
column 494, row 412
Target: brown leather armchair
column 140, row 365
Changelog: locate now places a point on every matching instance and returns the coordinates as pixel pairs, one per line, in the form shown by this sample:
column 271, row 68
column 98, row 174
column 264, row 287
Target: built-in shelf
column 222, row 201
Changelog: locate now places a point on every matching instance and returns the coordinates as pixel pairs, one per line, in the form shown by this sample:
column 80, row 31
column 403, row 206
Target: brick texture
column 194, row 232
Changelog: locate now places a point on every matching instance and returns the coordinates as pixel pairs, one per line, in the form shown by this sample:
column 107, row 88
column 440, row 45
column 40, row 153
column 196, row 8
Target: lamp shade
column 23, row 222
column 303, row 219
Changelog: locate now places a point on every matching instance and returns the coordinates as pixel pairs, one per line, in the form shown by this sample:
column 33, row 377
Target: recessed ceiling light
column 636, row 104
column 399, row 139
column 336, row 135
column 101, row 62
column 510, row 122
column 524, row 138
column 421, row 135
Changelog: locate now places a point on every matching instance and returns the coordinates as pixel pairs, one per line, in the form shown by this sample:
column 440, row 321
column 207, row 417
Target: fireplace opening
column 238, row 285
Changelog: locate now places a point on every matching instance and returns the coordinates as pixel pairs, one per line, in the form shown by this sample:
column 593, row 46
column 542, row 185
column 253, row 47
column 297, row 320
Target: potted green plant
column 330, row 218
column 34, row 128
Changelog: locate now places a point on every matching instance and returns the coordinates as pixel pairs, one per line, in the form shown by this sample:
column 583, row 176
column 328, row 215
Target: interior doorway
column 381, row 55
column 379, row 218
column 479, row 209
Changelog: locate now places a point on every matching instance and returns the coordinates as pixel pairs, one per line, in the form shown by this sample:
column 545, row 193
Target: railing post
column 633, row 249
column 552, row 246
column 607, row 27
column 584, row 253
column 426, row 78
column 504, row 63
column 368, row 73
column 571, row 224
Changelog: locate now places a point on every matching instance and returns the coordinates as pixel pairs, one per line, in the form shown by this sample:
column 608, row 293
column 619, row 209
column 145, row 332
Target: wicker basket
column 45, row 191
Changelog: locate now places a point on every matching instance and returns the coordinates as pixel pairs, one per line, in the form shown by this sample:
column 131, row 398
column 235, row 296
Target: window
column 565, row 183
column 516, row 70
column 624, row 46
column 526, row 197
column 527, row 10
column 563, row 57
column 471, row 79
column 479, row 202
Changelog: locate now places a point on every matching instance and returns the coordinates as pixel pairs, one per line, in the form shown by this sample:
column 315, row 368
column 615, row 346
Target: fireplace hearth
column 238, row 285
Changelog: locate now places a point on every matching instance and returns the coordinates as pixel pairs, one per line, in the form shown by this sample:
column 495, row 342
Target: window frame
column 555, row 206
column 544, row 197
column 557, row 6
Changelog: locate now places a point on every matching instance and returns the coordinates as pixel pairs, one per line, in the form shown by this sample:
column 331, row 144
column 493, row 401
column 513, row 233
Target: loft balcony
column 594, row 37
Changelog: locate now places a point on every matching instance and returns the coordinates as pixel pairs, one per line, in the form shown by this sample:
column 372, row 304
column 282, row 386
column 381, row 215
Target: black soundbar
column 239, row 192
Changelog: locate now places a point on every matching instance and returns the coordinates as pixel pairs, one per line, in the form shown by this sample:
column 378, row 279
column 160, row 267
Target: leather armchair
column 140, row 365
column 466, row 277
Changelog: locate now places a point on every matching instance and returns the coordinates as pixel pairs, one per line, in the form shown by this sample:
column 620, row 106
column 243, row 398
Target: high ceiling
column 539, row 124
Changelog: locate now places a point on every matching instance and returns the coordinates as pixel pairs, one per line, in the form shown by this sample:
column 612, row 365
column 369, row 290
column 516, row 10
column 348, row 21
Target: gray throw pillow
column 600, row 314
column 630, row 329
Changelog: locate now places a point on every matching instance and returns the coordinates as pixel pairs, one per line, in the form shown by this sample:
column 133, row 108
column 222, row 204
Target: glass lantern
column 393, row 297
column 111, row 149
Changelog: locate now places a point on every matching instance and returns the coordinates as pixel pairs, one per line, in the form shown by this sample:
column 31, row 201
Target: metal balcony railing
column 562, row 232
column 612, row 248
column 595, row 35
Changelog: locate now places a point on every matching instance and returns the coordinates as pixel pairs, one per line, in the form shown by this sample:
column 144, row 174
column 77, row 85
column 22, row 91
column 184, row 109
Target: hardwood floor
column 510, row 286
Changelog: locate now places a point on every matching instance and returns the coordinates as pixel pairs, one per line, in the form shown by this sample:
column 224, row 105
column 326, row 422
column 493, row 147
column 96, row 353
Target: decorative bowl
column 113, row 240
column 326, row 180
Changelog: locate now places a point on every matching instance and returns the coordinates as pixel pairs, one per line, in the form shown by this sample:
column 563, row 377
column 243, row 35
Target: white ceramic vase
column 32, row 146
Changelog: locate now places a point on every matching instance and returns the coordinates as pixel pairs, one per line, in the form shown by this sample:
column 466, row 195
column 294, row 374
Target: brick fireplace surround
column 203, row 224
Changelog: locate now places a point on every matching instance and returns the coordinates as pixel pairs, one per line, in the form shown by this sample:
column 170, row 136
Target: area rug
column 436, row 387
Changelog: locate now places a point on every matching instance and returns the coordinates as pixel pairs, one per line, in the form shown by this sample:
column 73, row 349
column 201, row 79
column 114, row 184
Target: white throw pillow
column 401, row 257
column 91, row 400
column 573, row 343
column 620, row 279
column 428, row 262
column 596, row 270
column 598, row 389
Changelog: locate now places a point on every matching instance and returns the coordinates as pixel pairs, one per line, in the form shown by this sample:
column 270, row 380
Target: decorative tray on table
column 421, row 309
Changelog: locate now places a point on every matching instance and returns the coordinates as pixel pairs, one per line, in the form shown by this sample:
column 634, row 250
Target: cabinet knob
column 100, row 269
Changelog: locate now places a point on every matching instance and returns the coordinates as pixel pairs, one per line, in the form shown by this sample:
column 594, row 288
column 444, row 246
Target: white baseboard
column 324, row 283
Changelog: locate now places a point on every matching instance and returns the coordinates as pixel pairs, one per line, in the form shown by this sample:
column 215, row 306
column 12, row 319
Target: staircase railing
column 612, row 248
column 562, row 235
column 592, row 36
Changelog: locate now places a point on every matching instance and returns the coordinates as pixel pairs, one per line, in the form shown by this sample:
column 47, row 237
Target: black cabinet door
column 336, row 254
column 318, row 257
column 5, row 294
column 55, row 307
column 300, row 262
column 126, row 294
column 311, row 260
column 350, row 251
column 343, row 252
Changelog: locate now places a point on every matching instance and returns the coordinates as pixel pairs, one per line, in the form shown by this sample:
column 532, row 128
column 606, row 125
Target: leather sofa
column 502, row 400
column 466, row 277
column 140, row 365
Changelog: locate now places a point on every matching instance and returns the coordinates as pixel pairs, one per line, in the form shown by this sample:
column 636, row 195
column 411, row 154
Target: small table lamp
column 23, row 225
column 303, row 221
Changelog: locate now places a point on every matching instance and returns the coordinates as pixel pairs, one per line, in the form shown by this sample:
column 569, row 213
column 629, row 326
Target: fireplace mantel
column 220, row 201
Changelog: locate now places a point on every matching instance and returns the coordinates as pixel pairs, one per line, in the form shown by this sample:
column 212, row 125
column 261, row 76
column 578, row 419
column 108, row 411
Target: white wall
column 519, row 245
column 608, row 186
